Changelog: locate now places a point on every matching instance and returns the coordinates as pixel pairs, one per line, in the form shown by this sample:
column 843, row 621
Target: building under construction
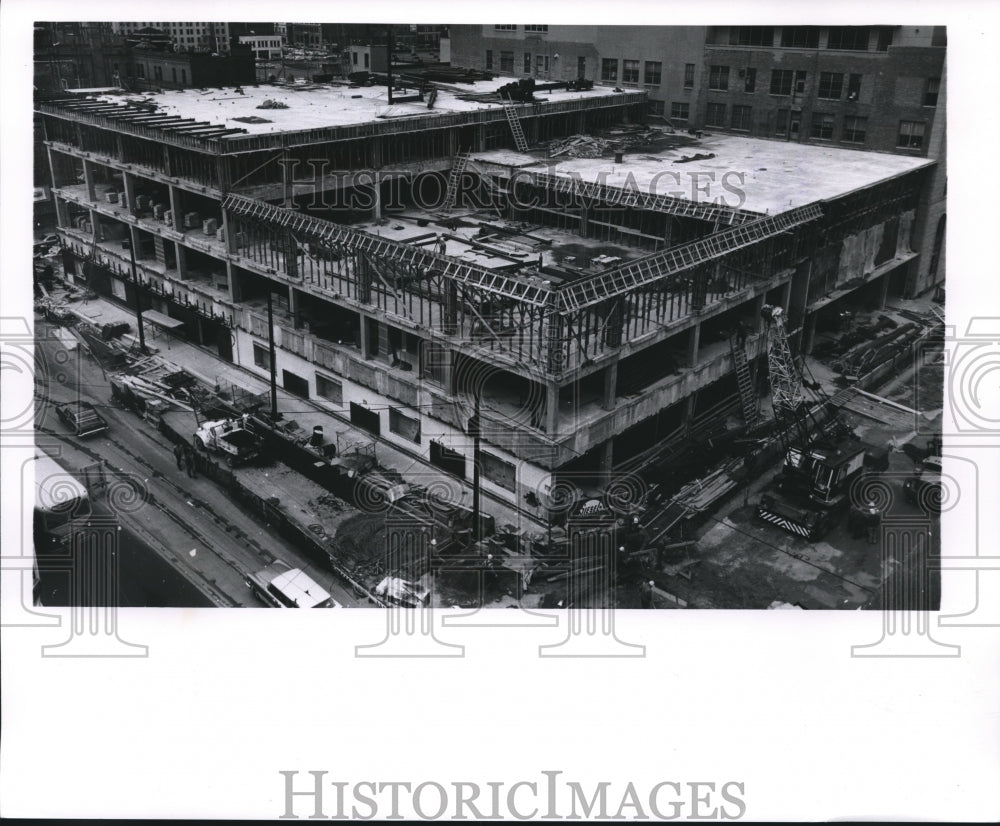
column 408, row 253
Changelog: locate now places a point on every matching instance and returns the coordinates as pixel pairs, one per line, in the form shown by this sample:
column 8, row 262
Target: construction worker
column 179, row 456
column 741, row 333
column 646, row 594
column 189, row 461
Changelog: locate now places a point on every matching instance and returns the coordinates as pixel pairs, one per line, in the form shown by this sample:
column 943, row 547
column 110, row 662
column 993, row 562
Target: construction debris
column 580, row 146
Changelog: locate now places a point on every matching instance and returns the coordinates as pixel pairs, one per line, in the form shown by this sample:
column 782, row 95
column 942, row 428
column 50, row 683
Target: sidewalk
column 212, row 370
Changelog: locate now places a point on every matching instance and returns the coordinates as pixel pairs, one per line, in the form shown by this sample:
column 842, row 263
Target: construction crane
column 822, row 455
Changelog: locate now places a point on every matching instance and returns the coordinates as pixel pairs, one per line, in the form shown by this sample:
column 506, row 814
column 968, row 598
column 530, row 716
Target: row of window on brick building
column 837, row 38
column 831, row 86
column 651, row 70
column 787, row 123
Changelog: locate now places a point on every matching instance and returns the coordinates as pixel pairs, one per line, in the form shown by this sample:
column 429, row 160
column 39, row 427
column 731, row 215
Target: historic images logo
column 548, row 798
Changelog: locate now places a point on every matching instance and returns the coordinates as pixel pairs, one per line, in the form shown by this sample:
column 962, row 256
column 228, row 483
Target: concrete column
column 133, row 237
column 128, row 179
column 668, row 230
column 584, row 220
column 607, row 455
column 481, row 138
column 786, row 296
column 809, row 332
column 758, row 308
column 291, row 256
column 231, row 282
column 287, row 192
column 292, row 301
column 175, row 209
column 228, row 234
column 689, row 406
column 450, row 315
column 88, row 179
column 62, row 212
column 52, row 167
column 383, row 340
column 452, row 143
column 883, row 295
column 694, row 340
column 179, row 252
column 364, row 278
column 377, row 198
column 365, row 350
column 552, row 408
column 448, row 371
column 610, row 386
column 167, row 166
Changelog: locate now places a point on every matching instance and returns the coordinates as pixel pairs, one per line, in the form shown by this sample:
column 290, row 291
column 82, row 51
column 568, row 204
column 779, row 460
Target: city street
column 188, row 524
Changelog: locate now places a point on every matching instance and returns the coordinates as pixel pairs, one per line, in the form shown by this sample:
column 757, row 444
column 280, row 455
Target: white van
column 282, row 586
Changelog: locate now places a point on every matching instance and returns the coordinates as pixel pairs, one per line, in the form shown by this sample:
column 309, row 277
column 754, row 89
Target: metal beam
column 640, row 272
column 326, row 231
column 634, row 197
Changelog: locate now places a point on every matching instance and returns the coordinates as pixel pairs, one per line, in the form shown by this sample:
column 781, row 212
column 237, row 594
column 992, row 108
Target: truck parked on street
column 229, row 437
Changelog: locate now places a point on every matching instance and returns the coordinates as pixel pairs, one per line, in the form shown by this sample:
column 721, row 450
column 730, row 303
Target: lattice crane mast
column 821, row 459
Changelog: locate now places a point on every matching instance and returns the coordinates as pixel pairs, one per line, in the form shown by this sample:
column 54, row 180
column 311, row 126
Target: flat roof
column 771, row 176
column 314, row 106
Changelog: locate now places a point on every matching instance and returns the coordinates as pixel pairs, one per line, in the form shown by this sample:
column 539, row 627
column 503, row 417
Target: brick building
column 663, row 61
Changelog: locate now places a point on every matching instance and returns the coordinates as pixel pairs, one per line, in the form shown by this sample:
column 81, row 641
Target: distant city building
column 264, row 46
column 367, row 58
column 663, row 61
column 305, row 35
column 185, row 37
column 180, row 70
column 876, row 87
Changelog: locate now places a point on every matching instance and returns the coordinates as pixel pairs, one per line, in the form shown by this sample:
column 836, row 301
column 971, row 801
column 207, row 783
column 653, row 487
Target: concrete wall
column 929, row 227
column 528, row 475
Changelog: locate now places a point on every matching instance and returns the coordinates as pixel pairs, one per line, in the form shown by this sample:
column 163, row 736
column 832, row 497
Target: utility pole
column 135, row 295
column 475, row 428
column 270, row 350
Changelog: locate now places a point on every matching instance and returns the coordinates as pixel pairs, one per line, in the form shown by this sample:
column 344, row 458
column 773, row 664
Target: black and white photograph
column 619, row 381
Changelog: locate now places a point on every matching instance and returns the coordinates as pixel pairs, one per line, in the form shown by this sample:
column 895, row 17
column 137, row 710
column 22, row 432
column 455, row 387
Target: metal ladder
column 454, row 179
column 515, row 125
column 748, row 398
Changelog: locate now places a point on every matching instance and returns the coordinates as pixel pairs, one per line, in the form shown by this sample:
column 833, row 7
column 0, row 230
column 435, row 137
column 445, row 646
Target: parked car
column 282, row 586
column 82, row 418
